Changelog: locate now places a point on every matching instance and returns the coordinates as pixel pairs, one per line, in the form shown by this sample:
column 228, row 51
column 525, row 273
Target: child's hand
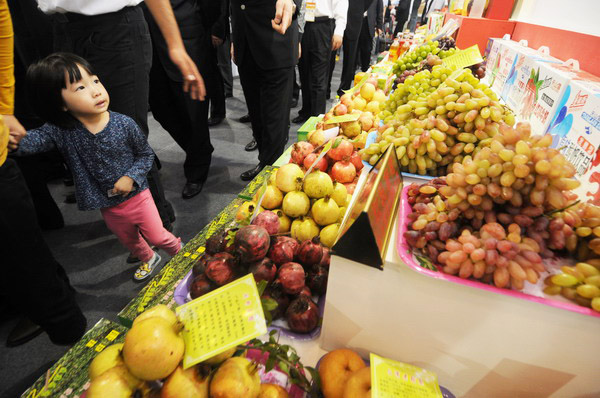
column 123, row 186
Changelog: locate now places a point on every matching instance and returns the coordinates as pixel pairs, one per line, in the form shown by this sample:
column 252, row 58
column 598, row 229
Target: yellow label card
column 221, row 319
column 464, row 58
column 348, row 117
column 393, row 379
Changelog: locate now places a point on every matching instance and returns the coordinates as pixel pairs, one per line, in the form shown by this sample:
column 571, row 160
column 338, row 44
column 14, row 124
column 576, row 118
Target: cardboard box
column 575, row 128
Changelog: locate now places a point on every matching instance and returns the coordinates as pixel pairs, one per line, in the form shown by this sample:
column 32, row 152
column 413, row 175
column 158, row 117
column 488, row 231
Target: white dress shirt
column 86, row 7
column 336, row 9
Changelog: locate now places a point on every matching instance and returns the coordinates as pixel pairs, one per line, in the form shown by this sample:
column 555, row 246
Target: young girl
column 106, row 151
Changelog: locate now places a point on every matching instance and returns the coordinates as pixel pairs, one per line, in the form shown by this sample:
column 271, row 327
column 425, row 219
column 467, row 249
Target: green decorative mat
column 160, row 289
column 68, row 377
column 254, row 185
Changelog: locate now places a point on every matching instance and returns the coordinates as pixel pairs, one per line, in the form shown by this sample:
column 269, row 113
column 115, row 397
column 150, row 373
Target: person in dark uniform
column 371, row 22
column 356, row 11
column 184, row 119
column 402, row 12
column 265, row 49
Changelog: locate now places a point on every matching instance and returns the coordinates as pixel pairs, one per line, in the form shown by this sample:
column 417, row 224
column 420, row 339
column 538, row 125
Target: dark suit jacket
column 356, row 10
column 252, row 32
column 215, row 15
column 195, row 35
column 375, row 16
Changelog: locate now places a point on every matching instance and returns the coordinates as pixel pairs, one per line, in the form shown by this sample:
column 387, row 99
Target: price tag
column 348, row 117
column 392, row 379
column 464, row 58
column 221, row 319
column 311, row 7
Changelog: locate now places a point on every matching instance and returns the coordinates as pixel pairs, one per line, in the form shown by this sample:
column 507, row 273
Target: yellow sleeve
column 7, row 76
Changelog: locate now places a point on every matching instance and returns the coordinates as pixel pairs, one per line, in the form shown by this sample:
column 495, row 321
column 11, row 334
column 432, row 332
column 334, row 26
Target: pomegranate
column 340, row 109
column 251, row 243
column 263, row 270
column 310, row 252
column 350, row 187
column 220, row 270
column 296, row 204
column 305, row 291
column 300, row 150
column 356, row 161
column 306, row 228
column 343, row 171
column 291, row 276
column 271, row 199
column 216, row 242
column 200, row 286
column 302, row 315
column 200, row 265
column 281, row 251
column 339, row 194
column 325, row 211
column 317, row 184
column 291, row 241
column 282, row 299
column 285, row 222
column 340, row 149
column 317, row 138
column 311, row 158
column 317, row 280
column 289, row 177
column 268, row 220
column 351, row 129
column 326, row 258
column 246, row 210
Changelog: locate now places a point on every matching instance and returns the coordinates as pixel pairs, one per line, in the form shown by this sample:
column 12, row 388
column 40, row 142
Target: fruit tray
column 318, row 394
column 423, row 265
column 182, row 296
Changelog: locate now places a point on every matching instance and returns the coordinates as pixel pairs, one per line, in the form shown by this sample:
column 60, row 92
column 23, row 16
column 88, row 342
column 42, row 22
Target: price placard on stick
column 221, row 319
column 464, row 58
column 393, row 379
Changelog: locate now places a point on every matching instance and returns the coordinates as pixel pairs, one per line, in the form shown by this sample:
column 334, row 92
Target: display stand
column 479, row 30
column 476, row 341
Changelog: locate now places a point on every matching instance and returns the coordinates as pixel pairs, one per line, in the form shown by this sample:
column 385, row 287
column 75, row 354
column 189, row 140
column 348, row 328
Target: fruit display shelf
column 68, row 377
column 253, row 186
column 474, row 339
column 161, row 288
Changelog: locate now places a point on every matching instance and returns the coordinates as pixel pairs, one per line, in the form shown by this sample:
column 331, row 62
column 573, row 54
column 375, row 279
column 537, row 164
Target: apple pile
column 153, row 350
column 344, row 374
column 295, row 273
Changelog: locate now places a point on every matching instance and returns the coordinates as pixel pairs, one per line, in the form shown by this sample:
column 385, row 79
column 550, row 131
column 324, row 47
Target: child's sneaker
column 146, row 269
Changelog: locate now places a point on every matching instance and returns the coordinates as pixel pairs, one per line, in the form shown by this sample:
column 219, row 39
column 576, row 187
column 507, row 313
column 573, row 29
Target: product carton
column 499, row 62
column 544, row 92
column 575, row 129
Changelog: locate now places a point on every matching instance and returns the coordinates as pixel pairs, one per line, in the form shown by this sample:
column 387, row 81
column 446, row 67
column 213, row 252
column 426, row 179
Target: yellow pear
column 237, row 377
column 272, row 391
column 153, row 348
column 217, row 359
column 112, row 384
column 161, row 311
column 189, row 383
column 107, row 359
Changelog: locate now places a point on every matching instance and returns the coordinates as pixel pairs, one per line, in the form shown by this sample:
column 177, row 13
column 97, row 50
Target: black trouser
column 118, row 47
column 31, row 277
column 295, row 87
column 224, row 62
column 184, row 119
column 350, row 48
column 215, row 86
column 401, row 17
column 268, row 95
column 314, row 66
column 365, row 46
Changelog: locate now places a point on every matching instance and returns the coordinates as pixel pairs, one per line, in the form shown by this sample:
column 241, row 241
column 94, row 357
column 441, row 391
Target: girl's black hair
column 45, row 81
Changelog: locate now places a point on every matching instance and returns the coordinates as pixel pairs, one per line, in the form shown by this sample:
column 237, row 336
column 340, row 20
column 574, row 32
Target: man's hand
column 216, row 41
column 15, row 130
column 336, row 42
column 284, row 10
column 192, row 80
column 123, row 186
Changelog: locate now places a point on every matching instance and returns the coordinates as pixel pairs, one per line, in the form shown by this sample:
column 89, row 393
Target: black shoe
column 340, row 92
column 294, row 103
column 214, row 121
column 71, row 198
column 24, row 331
column 251, row 146
column 245, row 118
column 191, row 189
column 253, row 172
column 299, row 119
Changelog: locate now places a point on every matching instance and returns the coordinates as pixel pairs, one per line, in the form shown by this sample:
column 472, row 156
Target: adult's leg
column 365, row 45
column 304, row 71
column 349, row 63
column 224, row 62
column 251, row 87
column 414, row 15
column 401, row 18
column 332, row 59
column 295, row 87
column 32, row 277
column 215, row 86
column 320, row 57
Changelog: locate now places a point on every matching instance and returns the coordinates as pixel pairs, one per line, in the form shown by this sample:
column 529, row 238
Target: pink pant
column 140, row 215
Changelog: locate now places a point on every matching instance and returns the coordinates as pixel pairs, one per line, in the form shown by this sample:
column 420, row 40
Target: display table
column 476, row 341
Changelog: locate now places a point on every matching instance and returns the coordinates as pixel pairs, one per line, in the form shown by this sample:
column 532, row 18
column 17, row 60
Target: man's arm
column 340, row 14
column 165, row 19
column 284, row 13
